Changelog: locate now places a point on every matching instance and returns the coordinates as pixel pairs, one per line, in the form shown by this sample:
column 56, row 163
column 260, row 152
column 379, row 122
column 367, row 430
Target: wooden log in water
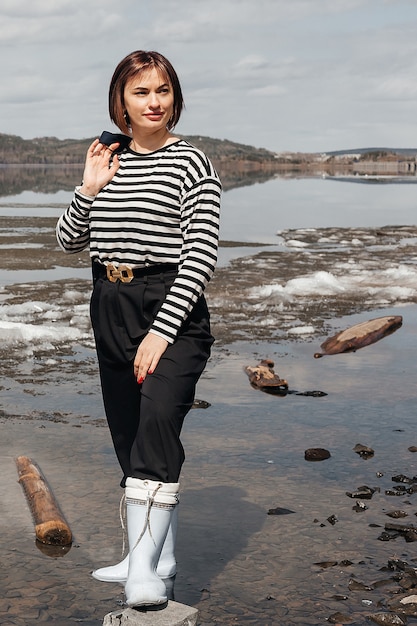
column 360, row 335
column 263, row 377
column 50, row 525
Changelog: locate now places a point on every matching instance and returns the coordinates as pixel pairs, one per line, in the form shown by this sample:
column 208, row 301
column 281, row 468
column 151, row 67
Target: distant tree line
column 53, row 151
column 42, row 151
column 48, row 164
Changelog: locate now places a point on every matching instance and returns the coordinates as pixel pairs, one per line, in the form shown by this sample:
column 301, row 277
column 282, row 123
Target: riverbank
column 245, row 453
column 245, row 456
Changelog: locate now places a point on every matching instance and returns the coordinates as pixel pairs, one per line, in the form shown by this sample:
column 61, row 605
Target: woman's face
column 149, row 101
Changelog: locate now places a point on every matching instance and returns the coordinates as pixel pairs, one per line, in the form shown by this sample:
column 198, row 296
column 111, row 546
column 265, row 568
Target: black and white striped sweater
column 161, row 207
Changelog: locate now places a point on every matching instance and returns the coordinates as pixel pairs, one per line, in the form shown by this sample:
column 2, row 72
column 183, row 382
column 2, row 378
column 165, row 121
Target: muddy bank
column 245, row 452
column 245, row 456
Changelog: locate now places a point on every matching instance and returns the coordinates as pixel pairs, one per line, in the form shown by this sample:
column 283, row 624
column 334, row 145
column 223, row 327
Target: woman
column 149, row 213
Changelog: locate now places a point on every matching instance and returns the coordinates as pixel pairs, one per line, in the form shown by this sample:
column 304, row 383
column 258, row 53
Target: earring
column 126, row 118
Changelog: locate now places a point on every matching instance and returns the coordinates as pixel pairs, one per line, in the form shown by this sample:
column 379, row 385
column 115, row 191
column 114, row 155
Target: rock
column 401, row 478
column 364, row 451
column 200, row 404
column 356, row 585
column 360, row 335
column 407, row 605
column 401, row 528
column 359, row 506
column 410, row 535
column 388, row 536
column 407, row 582
column 339, row 618
column 388, row 619
column 409, row 600
column 316, row 454
column 280, row 511
column 174, row 614
column 263, row 377
column 398, row 565
column 392, row 530
column 363, row 492
column 397, row 514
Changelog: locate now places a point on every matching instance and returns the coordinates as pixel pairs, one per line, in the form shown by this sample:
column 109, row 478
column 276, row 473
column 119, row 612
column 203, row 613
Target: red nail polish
column 140, row 380
column 150, row 371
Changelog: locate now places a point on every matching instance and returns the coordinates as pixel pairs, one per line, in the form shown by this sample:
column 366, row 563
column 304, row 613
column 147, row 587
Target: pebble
column 316, row 454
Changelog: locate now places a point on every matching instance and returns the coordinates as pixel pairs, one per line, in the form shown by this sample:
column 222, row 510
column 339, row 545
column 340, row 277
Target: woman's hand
column 147, row 356
column 97, row 170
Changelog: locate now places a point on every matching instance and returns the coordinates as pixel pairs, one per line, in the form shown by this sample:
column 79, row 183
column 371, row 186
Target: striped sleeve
column 200, row 231
column 72, row 230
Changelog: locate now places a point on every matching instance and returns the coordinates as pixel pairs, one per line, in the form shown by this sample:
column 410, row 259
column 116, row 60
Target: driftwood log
column 50, row 525
column 263, row 377
column 360, row 335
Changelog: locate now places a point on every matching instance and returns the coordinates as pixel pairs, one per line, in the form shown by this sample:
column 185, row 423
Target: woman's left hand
column 147, row 356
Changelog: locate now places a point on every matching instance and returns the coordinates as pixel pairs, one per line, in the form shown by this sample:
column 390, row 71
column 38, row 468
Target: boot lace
column 147, row 525
column 122, row 515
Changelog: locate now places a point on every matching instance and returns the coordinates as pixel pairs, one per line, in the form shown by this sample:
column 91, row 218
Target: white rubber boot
column 167, row 565
column 149, row 508
column 113, row 573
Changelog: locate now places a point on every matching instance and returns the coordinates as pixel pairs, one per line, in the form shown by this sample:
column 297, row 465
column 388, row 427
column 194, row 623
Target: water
column 333, row 255
column 258, row 212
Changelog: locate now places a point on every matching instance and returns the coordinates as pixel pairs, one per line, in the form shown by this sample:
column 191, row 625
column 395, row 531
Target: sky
column 286, row 75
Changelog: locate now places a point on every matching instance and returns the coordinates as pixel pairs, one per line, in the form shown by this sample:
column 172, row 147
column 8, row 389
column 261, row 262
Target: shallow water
column 245, row 453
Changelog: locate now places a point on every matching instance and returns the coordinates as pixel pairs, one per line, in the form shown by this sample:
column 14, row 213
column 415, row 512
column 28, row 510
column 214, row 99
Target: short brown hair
column 133, row 64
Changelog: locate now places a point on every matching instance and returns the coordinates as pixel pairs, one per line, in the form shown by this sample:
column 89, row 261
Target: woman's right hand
column 98, row 171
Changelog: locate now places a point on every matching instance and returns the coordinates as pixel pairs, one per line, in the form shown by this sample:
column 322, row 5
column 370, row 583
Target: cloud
column 252, row 63
column 35, row 8
column 26, row 88
column 44, row 22
column 273, row 73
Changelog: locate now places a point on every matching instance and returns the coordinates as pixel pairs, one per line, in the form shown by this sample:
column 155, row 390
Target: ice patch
column 323, row 283
column 14, row 332
column 390, row 285
column 295, row 243
column 301, row 330
column 44, row 324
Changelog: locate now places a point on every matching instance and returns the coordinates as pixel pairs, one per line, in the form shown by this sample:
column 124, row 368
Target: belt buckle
column 122, row 273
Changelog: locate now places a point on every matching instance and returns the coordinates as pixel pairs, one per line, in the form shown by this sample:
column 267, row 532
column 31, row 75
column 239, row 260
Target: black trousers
column 145, row 420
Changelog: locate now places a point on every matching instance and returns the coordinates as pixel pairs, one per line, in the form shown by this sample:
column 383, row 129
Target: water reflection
column 15, row 179
column 51, row 179
column 258, row 213
column 256, row 205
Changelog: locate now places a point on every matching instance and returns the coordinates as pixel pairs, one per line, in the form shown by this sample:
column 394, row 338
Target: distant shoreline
column 49, row 164
column 342, row 166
